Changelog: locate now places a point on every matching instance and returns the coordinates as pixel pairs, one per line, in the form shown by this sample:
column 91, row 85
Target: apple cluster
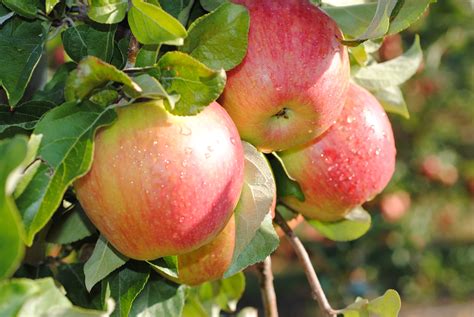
column 165, row 185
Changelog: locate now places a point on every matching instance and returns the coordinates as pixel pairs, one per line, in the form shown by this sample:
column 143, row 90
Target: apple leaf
column 256, row 199
column 24, row 116
column 179, row 9
column 262, row 245
column 93, row 73
column 286, row 186
column 152, row 25
column 65, row 154
column 73, row 225
column 352, row 227
column 22, row 45
column 152, row 89
column 210, row 5
column 167, row 266
column 392, row 100
column 89, row 39
column 50, row 4
column 195, row 83
column 147, row 55
column 25, row 297
column 103, row 261
column 107, row 11
column 53, row 91
column 391, row 73
column 27, row 9
column 387, row 305
column 159, row 298
column 125, row 284
column 219, row 39
column 13, row 152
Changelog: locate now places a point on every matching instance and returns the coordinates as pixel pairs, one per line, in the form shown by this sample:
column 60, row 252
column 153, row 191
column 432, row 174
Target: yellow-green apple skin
column 346, row 166
column 292, row 84
column 160, row 184
column 210, row 261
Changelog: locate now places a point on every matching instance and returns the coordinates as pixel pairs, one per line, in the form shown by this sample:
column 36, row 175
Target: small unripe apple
column 292, row 84
column 346, row 166
column 160, row 184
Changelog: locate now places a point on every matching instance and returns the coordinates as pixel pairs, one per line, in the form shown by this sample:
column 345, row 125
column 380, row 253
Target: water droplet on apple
column 207, row 155
column 188, row 150
column 377, row 151
column 232, row 140
column 185, row 130
column 155, row 142
column 184, row 163
column 181, row 219
column 310, row 131
column 210, row 148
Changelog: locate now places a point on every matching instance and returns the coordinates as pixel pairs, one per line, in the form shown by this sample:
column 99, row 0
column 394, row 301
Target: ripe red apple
column 210, row 261
column 292, row 84
column 161, row 184
column 349, row 164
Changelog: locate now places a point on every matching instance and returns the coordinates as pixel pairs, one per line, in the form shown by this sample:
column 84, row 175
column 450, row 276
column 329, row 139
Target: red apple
column 292, row 84
column 161, row 184
column 348, row 165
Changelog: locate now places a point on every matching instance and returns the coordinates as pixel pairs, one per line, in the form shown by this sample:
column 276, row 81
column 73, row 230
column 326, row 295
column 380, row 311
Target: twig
column 316, row 290
column 266, row 288
column 133, row 49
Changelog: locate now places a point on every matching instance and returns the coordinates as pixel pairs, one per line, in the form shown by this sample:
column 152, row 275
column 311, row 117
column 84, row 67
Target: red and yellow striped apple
column 346, row 166
column 292, row 84
column 161, row 184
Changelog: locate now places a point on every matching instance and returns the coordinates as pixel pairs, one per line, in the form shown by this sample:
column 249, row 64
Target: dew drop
column 181, row 219
column 185, row 131
column 188, row 150
column 232, row 140
column 210, row 148
column 155, row 142
column 350, row 119
column 207, row 155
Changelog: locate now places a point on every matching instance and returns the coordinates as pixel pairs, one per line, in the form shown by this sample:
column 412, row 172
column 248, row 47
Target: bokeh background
column 422, row 239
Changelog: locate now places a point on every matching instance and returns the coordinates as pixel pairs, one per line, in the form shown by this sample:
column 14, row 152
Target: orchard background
column 420, row 241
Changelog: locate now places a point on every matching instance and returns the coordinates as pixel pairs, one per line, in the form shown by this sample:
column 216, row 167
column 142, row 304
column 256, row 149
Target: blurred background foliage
column 422, row 239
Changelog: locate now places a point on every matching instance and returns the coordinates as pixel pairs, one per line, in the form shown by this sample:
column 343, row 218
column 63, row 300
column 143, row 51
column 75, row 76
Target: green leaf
column 147, row 55
column 256, row 199
column 90, row 39
column 24, row 116
column 167, row 266
column 179, row 9
column 27, row 9
column 286, row 186
column 230, row 291
column 219, row 39
column 125, row 285
column 392, row 100
column 66, row 153
column 210, row 5
column 262, row 245
column 391, row 73
column 107, row 11
column 53, row 91
column 159, row 298
column 22, row 44
column 387, row 305
column 152, row 25
column 50, row 4
column 409, row 13
column 25, row 298
column 71, row 226
column 103, row 261
column 195, row 83
column 120, row 57
column 13, row 152
column 352, row 227
column 93, row 73
column 151, row 88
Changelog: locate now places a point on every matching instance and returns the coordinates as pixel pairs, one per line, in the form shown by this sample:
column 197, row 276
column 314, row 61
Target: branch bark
column 266, row 288
column 317, row 291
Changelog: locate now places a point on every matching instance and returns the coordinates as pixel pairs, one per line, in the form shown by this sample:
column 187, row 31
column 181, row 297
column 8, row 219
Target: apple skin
column 210, row 261
column 160, row 184
column 292, row 84
column 348, row 165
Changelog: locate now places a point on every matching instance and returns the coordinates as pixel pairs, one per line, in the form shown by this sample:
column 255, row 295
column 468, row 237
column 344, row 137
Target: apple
column 348, row 165
column 161, row 184
column 292, row 84
column 210, row 261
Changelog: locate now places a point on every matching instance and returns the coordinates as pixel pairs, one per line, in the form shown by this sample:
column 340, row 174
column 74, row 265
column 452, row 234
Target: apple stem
column 317, row 291
column 266, row 288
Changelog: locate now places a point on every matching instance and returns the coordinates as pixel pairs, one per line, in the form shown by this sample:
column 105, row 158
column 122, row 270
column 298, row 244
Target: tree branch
column 316, row 290
column 266, row 288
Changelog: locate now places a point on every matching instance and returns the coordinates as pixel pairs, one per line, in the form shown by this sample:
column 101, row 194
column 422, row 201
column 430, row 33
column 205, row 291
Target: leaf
column 27, row 9
column 210, row 5
column 93, row 73
column 392, row 100
column 125, row 285
column 89, row 39
column 391, row 73
column 195, row 83
column 107, row 11
column 152, row 25
column 66, row 153
column 53, row 91
column 159, row 298
column 13, row 152
column 151, row 88
column 25, row 298
column 24, row 116
column 103, row 261
column 286, row 186
column 22, row 45
column 387, row 305
column 167, row 266
column 119, row 59
column 231, row 290
column 256, row 199
column 409, row 13
column 71, row 226
column 147, row 55
column 219, row 39
column 179, row 9
column 262, row 245
column 71, row 276
column 50, row 4
column 352, row 227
